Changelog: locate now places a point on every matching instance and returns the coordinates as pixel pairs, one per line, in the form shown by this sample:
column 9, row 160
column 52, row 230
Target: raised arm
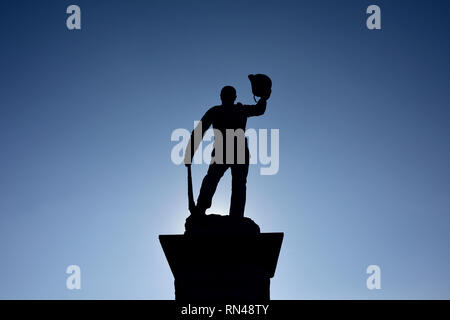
column 257, row 109
column 197, row 137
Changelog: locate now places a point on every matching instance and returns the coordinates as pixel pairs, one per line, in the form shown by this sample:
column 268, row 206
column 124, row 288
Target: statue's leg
column 209, row 185
column 239, row 174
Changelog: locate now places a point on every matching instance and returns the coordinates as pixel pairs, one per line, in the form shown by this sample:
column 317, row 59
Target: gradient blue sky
column 86, row 118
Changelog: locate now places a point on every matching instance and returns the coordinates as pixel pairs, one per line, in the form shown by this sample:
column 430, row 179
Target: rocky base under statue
column 215, row 224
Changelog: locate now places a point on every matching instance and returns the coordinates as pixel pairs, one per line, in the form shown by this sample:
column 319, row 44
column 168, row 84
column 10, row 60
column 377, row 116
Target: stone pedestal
column 221, row 267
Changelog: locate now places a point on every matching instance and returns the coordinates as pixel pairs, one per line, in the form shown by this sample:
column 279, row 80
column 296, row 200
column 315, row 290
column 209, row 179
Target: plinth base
column 222, row 267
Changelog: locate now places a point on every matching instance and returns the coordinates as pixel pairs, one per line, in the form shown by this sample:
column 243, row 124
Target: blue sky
column 86, row 118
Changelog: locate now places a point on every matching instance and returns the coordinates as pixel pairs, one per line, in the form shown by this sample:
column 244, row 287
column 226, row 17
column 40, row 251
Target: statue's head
column 228, row 95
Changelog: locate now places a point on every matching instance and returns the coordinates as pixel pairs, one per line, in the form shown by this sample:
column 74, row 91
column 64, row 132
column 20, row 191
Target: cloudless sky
column 86, row 118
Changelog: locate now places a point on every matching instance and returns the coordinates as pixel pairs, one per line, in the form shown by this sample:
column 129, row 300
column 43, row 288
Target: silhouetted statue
column 224, row 258
column 230, row 146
